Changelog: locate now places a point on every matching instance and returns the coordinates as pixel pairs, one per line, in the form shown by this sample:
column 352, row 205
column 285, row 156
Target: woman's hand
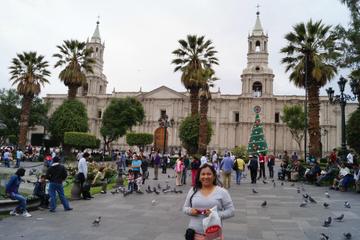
column 194, row 212
column 207, row 212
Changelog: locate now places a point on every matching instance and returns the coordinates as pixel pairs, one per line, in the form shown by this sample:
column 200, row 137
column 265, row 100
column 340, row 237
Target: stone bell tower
column 257, row 77
column 96, row 81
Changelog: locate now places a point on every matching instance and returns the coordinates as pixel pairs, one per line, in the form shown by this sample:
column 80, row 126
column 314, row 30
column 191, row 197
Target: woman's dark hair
column 86, row 154
column 198, row 184
column 20, row 172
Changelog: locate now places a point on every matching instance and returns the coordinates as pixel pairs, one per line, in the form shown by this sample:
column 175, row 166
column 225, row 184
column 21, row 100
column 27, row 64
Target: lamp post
column 325, row 132
column 341, row 99
column 165, row 123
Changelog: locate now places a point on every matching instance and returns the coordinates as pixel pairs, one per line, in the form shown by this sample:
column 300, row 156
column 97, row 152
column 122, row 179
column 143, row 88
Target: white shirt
column 203, row 160
column 357, row 176
column 82, row 167
column 350, row 158
column 214, row 158
column 344, row 171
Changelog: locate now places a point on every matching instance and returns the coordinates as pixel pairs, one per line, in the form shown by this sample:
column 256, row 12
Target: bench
column 6, row 205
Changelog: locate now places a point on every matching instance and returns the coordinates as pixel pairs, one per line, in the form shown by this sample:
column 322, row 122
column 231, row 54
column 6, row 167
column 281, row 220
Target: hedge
column 81, row 140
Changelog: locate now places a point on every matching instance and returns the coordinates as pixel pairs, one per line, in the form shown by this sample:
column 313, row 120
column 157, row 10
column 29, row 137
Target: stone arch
column 257, row 89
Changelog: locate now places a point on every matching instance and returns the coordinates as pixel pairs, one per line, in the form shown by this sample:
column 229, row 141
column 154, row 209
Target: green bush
column 353, row 131
column 71, row 116
column 80, row 140
column 241, row 152
column 139, row 139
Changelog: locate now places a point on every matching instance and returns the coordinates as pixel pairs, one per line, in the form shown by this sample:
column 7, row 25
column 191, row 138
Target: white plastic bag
column 212, row 225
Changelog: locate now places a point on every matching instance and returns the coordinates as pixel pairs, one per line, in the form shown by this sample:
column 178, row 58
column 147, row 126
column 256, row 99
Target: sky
column 140, row 35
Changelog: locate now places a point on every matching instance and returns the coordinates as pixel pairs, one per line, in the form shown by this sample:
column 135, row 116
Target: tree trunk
column 24, row 120
column 194, row 100
column 314, row 123
column 72, row 92
column 203, row 131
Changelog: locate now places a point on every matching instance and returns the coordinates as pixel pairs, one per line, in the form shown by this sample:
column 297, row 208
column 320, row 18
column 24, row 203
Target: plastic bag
column 212, row 225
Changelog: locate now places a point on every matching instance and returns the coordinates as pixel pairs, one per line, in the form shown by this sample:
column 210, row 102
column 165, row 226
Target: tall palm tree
column 77, row 60
column 205, row 96
column 315, row 44
column 29, row 72
column 192, row 57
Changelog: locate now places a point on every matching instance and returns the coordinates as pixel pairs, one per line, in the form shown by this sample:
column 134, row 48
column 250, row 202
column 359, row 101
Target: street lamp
column 341, row 99
column 165, row 123
column 325, row 133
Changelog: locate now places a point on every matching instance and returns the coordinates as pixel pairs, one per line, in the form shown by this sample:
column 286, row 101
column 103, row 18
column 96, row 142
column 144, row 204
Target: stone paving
column 136, row 218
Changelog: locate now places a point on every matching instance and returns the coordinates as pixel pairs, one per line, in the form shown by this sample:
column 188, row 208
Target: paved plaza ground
column 135, row 217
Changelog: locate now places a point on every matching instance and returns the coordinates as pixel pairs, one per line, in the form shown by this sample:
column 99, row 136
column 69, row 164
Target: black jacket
column 56, row 173
column 253, row 164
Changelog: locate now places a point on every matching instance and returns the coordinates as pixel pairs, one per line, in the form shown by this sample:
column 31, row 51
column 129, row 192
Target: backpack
column 235, row 166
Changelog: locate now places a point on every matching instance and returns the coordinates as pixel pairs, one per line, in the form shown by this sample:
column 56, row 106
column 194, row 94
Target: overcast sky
column 140, row 35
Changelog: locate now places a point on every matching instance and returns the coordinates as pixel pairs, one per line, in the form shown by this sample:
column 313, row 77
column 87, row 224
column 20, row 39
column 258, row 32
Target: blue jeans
column 131, row 186
column 22, row 201
column 238, row 176
column 7, row 162
column 17, row 162
column 57, row 187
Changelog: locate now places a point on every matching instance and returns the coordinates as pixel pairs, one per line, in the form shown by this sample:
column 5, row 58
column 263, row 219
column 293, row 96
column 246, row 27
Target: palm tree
column 314, row 44
column 29, row 72
column 192, row 57
column 205, row 95
column 77, row 60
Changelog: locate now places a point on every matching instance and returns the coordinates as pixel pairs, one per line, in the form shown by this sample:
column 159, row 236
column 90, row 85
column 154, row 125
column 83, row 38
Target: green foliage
column 240, row 152
column 189, row 133
column 71, row 116
column 294, row 118
column 80, row 140
column 120, row 116
column 10, row 109
column 353, row 131
column 139, row 139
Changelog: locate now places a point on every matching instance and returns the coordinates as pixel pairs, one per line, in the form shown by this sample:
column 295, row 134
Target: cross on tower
column 258, row 9
column 98, row 19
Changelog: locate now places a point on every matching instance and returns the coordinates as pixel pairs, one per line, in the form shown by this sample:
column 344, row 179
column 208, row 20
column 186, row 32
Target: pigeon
column 292, row 185
column 125, row 193
column 115, row 191
column 327, row 222
column 327, row 195
column 282, row 183
column 312, row 200
column 159, row 186
column 254, row 191
column 274, row 184
column 326, row 205
column 264, row 182
column 167, row 188
column 347, row 235
column 155, row 191
column 347, row 204
column 340, row 218
column 264, row 204
column 168, row 176
column 306, row 196
column 323, row 236
column 303, row 204
column 153, row 202
column 303, row 189
column 298, row 190
column 148, row 190
column 97, row 221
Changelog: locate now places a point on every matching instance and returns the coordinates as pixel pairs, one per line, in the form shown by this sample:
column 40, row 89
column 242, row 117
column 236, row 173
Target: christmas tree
column 257, row 143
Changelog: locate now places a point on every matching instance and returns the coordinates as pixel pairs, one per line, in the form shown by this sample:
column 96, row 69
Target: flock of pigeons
column 309, row 199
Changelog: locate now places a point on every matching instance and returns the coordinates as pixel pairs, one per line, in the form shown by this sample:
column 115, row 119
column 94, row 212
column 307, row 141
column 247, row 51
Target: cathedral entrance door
column 160, row 138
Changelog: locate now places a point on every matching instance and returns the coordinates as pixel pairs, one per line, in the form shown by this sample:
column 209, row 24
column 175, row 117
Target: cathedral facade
column 232, row 116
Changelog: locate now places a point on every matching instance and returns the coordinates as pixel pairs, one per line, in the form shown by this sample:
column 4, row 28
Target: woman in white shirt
column 82, row 174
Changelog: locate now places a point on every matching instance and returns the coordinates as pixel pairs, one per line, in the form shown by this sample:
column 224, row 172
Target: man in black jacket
column 253, row 167
column 56, row 175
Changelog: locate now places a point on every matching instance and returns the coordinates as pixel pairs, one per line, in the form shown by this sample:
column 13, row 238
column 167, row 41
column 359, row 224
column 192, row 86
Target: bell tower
column 96, row 81
column 257, row 77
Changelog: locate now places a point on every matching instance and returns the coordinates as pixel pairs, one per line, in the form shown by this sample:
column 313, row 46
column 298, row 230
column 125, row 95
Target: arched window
column 257, row 46
column 257, row 89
